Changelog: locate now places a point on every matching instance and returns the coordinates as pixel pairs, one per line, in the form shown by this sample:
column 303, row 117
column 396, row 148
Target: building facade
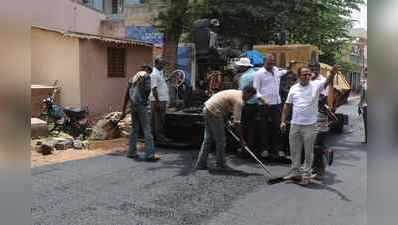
column 357, row 56
column 92, row 68
column 129, row 18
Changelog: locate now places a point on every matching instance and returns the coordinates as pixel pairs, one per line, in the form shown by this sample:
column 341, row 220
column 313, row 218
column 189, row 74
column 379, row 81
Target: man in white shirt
column 267, row 83
column 159, row 98
column 303, row 100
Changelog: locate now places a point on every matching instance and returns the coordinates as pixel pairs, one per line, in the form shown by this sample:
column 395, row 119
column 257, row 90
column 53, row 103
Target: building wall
column 358, row 57
column 55, row 57
column 98, row 91
column 114, row 28
column 133, row 13
column 142, row 14
column 66, row 15
column 139, row 15
column 108, row 7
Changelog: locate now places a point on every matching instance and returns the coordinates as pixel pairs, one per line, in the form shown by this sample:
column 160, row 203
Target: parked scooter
column 73, row 121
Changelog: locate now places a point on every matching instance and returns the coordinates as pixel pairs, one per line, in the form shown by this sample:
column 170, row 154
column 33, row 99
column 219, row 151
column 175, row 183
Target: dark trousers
column 365, row 121
column 252, row 127
column 285, row 140
column 319, row 150
column 158, row 119
column 272, row 131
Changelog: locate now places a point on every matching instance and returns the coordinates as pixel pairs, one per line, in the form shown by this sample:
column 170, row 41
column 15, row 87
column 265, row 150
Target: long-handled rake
column 272, row 180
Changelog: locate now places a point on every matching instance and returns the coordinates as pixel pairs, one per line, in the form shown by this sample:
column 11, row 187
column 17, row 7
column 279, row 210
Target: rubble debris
column 62, row 142
column 109, row 128
column 46, row 148
column 77, row 144
column 63, row 145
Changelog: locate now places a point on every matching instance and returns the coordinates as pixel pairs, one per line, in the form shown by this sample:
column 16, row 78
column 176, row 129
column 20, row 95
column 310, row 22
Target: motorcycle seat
column 77, row 113
column 74, row 110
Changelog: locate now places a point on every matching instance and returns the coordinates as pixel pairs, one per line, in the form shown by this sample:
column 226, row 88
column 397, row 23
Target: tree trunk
column 178, row 9
column 170, row 55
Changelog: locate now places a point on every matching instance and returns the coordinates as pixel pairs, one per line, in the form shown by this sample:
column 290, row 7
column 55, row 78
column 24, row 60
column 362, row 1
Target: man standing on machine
column 267, row 83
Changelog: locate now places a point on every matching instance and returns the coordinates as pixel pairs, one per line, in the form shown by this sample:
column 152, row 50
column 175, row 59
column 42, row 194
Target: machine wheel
column 338, row 126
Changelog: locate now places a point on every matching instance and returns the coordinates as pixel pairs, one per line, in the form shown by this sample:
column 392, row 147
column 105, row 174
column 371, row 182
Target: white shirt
column 305, row 102
column 267, row 84
column 158, row 81
column 324, row 91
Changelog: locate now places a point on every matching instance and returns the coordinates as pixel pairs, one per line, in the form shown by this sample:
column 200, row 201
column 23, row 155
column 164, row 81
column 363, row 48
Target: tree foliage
column 175, row 19
column 324, row 23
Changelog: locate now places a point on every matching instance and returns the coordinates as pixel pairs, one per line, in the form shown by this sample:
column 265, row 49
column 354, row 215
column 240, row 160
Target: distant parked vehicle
column 73, row 121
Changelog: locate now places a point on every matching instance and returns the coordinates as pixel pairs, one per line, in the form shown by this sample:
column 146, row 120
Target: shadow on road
column 325, row 184
column 322, row 186
column 232, row 172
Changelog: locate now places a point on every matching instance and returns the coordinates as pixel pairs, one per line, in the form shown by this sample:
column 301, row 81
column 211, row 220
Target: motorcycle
column 73, row 121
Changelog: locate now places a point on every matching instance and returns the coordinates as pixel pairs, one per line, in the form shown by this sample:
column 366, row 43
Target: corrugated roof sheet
column 96, row 37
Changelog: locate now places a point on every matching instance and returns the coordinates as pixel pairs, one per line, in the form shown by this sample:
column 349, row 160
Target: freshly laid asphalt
column 115, row 190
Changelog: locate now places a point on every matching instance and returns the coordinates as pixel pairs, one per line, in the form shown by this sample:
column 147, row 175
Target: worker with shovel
column 215, row 111
column 138, row 90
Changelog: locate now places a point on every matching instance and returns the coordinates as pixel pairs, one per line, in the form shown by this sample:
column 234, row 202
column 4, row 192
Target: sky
column 361, row 16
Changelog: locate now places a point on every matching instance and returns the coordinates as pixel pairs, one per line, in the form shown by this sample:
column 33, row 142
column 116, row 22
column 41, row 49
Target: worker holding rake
column 215, row 111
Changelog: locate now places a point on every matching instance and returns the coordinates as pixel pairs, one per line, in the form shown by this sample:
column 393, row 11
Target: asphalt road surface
column 115, row 190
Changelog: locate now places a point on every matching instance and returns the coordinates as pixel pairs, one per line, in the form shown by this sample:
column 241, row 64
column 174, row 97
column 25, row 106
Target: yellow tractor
column 300, row 53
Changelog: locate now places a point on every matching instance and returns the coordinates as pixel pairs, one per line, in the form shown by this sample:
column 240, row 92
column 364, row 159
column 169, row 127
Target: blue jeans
column 141, row 117
column 214, row 133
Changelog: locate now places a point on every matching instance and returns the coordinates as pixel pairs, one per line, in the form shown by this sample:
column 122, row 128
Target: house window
column 115, row 6
column 134, row 2
column 116, row 62
column 95, row 4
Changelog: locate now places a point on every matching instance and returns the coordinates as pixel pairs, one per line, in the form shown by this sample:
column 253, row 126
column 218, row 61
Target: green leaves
column 178, row 15
column 324, row 23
